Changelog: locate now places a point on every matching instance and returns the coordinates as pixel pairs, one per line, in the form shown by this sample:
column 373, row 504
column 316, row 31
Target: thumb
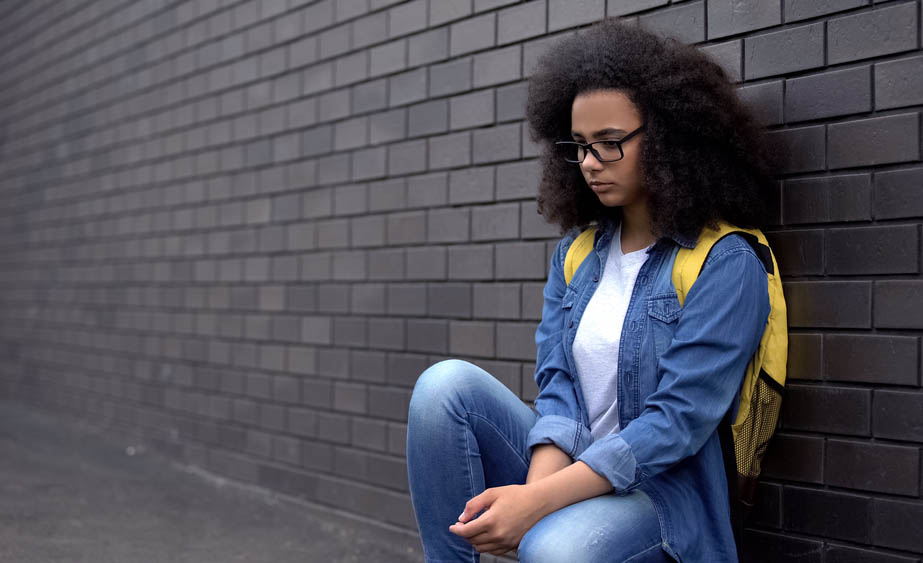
column 477, row 504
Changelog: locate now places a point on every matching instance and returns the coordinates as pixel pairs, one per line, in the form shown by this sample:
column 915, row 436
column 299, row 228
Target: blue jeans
column 467, row 432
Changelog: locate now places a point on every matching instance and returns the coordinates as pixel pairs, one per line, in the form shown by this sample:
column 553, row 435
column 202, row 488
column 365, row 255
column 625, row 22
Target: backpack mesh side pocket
column 752, row 434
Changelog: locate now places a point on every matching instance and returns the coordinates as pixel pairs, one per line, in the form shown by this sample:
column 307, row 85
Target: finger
column 477, row 504
column 479, row 525
column 494, row 548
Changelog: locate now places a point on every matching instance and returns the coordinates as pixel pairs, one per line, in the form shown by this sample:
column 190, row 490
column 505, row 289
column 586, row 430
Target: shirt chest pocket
column 663, row 310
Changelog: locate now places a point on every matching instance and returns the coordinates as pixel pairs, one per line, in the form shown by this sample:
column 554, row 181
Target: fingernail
column 460, row 516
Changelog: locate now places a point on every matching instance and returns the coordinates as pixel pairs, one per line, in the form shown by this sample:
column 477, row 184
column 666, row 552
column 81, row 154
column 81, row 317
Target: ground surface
column 72, row 494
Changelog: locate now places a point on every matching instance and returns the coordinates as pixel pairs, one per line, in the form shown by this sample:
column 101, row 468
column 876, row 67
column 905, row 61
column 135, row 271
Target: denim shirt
column 679, row 371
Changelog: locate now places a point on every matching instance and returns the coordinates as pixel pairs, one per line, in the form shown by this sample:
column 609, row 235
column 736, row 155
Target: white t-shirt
column 596, row 345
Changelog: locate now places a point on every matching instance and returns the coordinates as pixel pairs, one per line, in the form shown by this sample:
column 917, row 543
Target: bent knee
column 443, row 381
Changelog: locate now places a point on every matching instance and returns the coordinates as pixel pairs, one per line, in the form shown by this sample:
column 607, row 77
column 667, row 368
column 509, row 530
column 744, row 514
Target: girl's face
column 610, row 115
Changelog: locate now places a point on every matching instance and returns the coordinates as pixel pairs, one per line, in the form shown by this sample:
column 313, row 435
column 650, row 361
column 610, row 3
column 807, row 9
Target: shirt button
column 571, row 324
column 596, row 279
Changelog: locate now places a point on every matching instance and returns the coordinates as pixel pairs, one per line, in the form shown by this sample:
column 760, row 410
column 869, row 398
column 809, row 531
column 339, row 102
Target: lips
column 598, row 186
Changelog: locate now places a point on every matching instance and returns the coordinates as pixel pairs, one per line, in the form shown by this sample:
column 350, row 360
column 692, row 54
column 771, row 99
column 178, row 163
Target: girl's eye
column 610, row 144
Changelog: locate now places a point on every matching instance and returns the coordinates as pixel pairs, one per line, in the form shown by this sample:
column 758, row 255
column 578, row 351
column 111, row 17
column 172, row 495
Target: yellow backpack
column 761, row 391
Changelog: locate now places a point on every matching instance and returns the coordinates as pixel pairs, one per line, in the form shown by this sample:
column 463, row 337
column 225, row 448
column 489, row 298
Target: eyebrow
column 601, row 132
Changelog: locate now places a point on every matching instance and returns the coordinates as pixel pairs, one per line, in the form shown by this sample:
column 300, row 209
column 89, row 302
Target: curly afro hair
column 703, row 157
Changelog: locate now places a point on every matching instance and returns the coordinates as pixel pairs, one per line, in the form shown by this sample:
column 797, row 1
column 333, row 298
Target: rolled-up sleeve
column 561, row 419
column 700, row 372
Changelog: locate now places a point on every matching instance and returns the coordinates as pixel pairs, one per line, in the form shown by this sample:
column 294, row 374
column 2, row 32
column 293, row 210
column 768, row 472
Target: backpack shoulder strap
column 578, row 251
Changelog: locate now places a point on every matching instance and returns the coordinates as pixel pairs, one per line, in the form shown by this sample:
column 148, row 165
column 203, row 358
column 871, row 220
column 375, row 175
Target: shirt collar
column 607, row 225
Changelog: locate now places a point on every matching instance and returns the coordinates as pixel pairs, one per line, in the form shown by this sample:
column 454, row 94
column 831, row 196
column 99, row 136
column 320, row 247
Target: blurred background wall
column 238, row 231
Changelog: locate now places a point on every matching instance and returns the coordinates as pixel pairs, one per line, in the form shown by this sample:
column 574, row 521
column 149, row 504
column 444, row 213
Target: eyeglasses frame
column 590, row 148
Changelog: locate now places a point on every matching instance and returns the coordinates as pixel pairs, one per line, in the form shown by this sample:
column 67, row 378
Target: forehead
column 601, row 109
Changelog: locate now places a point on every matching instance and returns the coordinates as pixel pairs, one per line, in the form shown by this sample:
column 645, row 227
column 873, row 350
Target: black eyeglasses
column 608, row 150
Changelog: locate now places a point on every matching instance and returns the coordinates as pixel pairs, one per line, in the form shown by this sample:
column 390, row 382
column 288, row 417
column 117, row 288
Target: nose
column 590, row 162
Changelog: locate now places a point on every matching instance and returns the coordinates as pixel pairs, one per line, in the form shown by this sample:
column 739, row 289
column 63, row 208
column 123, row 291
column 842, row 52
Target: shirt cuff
column 612, row 458
column 565, row 433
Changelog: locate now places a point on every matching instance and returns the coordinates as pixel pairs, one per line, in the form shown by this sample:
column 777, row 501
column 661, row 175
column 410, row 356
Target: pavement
column 71, row 493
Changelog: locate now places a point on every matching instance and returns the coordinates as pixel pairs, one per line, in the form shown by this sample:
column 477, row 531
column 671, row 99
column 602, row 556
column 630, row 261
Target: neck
column 636, row 227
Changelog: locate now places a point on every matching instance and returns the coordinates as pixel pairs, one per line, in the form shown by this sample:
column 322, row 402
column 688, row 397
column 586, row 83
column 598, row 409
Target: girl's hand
column 511, row 511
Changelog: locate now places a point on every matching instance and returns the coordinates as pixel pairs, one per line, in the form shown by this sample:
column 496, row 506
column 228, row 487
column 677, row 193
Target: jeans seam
column 474, row 557
column 644, row 552
column 502, row 437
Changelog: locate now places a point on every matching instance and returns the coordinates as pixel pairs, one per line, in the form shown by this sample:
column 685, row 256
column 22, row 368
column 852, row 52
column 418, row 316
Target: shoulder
column 565, row 242
column 733, row 248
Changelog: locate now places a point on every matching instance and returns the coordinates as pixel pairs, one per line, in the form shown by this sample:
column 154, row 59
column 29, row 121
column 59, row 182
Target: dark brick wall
column 240, row 230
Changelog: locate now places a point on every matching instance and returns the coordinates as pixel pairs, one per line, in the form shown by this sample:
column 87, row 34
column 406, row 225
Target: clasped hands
column 509, row 512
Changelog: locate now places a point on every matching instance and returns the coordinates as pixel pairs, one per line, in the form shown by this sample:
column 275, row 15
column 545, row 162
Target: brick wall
column 240, row 230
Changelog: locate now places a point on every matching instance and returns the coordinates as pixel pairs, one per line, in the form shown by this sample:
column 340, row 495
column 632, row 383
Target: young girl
column 620, row 459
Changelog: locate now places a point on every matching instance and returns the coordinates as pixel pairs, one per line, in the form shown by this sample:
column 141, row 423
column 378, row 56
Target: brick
column 484, row 5
column 428, row 47
column 367, row 365
column 685, row 22
column 471, row 338
column 316, row 330
column 448, row 225
column 367, row 298
column 767, row 511
column 511, row 101
column 407, row 87
column 572, row 13
column 846, row 554
column 317, row 393
column 803, row 9
column 388, row 58
column 388, row 195
column 492, row 222
column 332, row 298
column 389, row 403
column 798, row 252
column 730, row 17
column 471, row 185
column 894, row 29
column 898, row 415
column 369, row 163
column 899, row 304
column 442, row 11
column 406, row 227
column 369, row 29
column 333, row 363
column 532, row 300
column 333, row 42
column 370, row 434
column 471, row 110
column 450, row 151
column 871, row 359
column 348, row 9
column 516, row 341
column 387, row 126
column 449, row 300
column 501, row 142
column 386, row 333
column 370, row 96
column 507, row 373
column 884, row 250
column 426, row 335
column 532, row 224
column 497, row 66
column 428, row 118
column 729, row 56
column 899, row 83
column 898, row 194
column 820, row 409
column 521, row 22
column 350, row 397
column 386, row 264
column 798, row 150
column 766, row 547
column 517, row 180
column 895, row 524
column 471, row 262
column 426, row 263
column 407, row 299
column 349, row 331
column 839, row 92
column 797, row 458
column 820, row 304
column 826, row 513
column 407, row 157
column 826, row 199
column 450, row 78
column 873, row 467
column 407, row 18
column 497, row 301
column 333, row 428
column 521, row 260
column 894, row 138
column 404, row 369
column 428, row 190
column 527, row 379
column 347, row 69
column 472, row 34
column 785, row 51
column 302, row 421
column 625, row 7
